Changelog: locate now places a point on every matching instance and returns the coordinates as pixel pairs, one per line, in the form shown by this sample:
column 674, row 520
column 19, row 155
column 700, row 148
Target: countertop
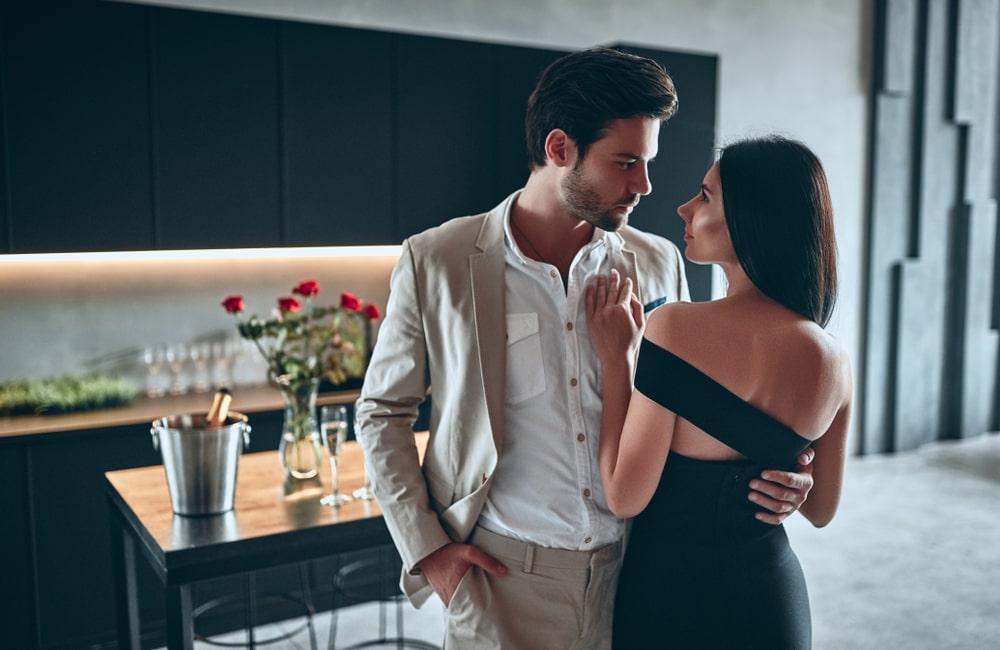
column 144, row 410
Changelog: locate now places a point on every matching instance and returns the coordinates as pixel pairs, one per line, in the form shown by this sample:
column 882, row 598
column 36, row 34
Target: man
column 489, row 310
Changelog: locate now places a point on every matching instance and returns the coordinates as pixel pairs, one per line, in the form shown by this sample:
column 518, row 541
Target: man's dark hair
column 780, row 218
column 582, row 92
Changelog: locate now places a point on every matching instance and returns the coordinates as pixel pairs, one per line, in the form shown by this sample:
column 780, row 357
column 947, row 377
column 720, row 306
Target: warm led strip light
column 204, row 254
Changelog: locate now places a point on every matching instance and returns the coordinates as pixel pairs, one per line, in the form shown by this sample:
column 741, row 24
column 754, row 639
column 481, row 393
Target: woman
column 722, row 390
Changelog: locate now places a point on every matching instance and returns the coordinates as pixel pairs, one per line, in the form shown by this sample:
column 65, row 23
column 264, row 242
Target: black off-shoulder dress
column 700, row 571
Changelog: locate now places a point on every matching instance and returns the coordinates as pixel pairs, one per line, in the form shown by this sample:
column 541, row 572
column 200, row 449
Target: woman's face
column 705, row 230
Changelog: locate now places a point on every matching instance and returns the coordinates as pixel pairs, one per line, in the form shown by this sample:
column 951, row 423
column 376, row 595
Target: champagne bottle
column 220, row 407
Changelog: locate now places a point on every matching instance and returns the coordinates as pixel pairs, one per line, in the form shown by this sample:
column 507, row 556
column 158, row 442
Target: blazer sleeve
column 395, row 384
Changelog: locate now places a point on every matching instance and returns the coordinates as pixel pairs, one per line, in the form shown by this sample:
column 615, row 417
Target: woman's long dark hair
column 780, row 219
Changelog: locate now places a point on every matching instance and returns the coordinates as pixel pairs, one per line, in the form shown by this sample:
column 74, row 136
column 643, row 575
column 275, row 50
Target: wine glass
column 333, row 424
column 152, row 357
column 199, row 353
column 177, row 356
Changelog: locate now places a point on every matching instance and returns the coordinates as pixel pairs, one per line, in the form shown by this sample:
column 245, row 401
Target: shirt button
column 572, row 382
column 587, row 540
column 569, row 326
column 586, row 492
column 580, row 437
column 553, row 274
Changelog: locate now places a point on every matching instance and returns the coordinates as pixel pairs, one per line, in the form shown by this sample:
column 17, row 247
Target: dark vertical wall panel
column 923, row 320
column 899, row 20
column 215, row 107
column 977, row 409
column 76, row 124
column 930, row 366
column 339, row 176
column 891, row 203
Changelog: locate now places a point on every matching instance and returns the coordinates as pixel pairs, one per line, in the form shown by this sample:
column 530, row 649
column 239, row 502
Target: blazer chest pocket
column 525, row 370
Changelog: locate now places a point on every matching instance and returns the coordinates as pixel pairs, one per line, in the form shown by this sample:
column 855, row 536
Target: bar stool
column 373, row 578
column 248, row 602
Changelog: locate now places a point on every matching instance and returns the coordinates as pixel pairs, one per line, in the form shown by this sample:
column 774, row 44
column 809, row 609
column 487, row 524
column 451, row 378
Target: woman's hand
column 614, row 318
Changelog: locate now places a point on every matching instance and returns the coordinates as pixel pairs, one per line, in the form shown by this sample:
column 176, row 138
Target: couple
column 528, row 323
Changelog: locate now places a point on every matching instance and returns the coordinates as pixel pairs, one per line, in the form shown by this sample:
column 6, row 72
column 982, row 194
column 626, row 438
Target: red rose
column 307, row 288
column 233, row 304
column 371, row 311
column 348, row 301
column 289, row 304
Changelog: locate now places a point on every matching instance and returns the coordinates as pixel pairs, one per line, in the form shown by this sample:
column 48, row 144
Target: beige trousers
column 550, row 599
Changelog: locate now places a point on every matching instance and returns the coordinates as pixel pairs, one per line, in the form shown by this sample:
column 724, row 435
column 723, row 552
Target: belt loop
column 529, row 558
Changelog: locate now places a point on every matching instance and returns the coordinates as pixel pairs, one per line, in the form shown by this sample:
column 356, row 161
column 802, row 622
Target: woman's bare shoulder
column 815, row 351
column 666, row 321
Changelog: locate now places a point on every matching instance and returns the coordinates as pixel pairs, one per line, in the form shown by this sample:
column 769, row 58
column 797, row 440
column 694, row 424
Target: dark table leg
column 126, row 594
column 180, row 626
column 250, row 596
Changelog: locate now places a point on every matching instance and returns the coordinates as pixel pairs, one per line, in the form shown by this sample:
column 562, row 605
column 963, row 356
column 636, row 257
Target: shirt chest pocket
column 525, row 370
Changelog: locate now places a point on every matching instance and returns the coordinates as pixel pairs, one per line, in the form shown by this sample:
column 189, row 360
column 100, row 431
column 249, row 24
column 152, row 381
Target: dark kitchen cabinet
column 17, row 589
column 130, row 127
column 337, row 91
column 446, row 113
column 517, row 72
column 74, row 86
column 215, row 103
column 70, row 529
column 59, row 592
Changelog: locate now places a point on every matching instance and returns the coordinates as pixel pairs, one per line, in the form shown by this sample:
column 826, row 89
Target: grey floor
column 911, row 561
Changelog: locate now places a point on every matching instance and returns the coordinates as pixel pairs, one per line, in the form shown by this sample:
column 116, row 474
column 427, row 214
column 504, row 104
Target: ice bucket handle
column 244, row 426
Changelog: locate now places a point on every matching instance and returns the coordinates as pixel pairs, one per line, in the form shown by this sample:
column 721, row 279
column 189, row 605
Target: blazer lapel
column 487, row 277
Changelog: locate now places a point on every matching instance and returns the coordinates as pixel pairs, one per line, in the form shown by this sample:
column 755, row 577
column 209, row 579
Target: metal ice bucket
column 201, row 461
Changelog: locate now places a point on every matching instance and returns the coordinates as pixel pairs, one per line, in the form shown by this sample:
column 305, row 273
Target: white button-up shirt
column 546, row 488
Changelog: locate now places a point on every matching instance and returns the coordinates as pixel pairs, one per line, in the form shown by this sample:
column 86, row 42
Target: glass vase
column 300, row 449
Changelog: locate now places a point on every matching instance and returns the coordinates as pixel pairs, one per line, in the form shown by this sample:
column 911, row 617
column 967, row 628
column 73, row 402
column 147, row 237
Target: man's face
column 604, row 187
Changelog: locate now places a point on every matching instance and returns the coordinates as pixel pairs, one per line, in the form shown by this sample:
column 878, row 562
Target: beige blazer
column 445, row 327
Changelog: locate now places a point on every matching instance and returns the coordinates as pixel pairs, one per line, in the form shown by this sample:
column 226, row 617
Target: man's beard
column 585, row 204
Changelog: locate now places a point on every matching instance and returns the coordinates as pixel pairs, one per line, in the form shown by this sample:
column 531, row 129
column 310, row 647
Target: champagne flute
column 333, row 424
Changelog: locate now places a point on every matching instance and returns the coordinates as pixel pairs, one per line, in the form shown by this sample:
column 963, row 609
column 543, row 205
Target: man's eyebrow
column 633, row 156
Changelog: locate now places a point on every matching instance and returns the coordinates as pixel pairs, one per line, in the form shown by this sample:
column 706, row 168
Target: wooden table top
column 271, row 523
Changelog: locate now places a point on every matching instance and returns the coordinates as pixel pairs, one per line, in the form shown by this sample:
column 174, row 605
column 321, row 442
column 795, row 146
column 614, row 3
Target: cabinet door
column 446, row 106
column 76, row 114
column 17, row 625
column 517, row 72
column 75, row 597
column 215, row 112
column 338, row 135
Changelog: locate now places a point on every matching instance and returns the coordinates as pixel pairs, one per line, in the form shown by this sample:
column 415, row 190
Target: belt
column 533, row 555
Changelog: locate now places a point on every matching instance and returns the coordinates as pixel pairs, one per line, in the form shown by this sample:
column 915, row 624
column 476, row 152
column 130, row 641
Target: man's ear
column 560, row 149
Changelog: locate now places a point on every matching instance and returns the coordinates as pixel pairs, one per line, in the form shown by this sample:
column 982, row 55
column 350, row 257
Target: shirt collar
column 600, row 237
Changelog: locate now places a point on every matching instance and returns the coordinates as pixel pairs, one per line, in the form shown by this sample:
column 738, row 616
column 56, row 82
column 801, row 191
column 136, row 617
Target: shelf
column 144, row 409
